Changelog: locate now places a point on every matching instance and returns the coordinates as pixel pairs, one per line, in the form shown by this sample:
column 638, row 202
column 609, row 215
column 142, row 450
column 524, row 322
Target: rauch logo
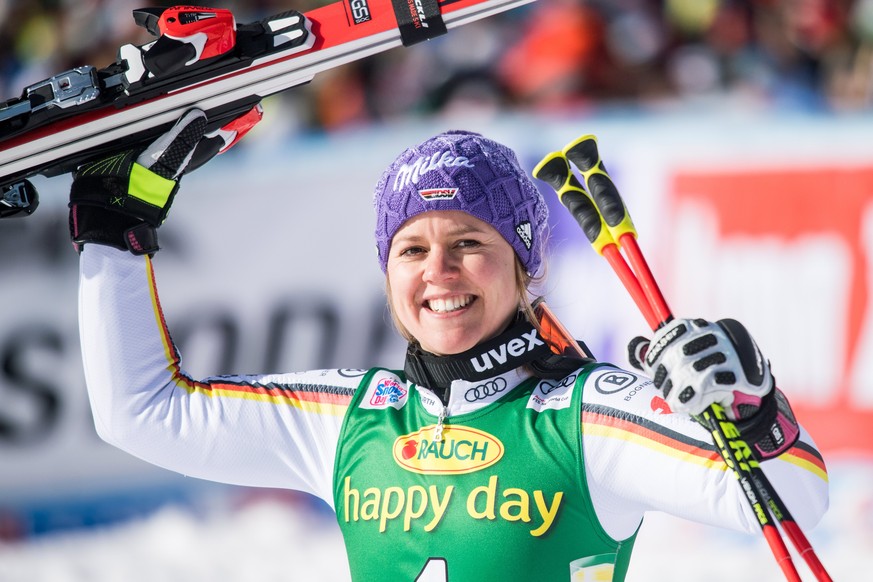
column 461, row 450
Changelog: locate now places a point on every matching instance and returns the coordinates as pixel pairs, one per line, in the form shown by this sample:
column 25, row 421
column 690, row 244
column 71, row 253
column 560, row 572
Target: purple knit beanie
column 461, row 170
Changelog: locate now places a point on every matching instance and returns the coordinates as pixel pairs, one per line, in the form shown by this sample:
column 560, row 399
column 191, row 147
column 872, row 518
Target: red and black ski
column 201, row 58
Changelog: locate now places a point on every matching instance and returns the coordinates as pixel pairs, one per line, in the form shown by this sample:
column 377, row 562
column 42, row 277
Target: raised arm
column 275, row 431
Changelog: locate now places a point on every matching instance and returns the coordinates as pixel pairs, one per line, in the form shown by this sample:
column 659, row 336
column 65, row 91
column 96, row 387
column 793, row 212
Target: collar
column 465, row 396
column 520, row 344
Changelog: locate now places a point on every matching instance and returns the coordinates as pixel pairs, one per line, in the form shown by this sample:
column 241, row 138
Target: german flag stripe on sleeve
column 806, row 457
column 612, row 423
column 322, row 399
column 308, row 397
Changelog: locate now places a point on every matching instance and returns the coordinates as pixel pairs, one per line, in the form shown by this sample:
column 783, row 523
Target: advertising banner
column 268, row 265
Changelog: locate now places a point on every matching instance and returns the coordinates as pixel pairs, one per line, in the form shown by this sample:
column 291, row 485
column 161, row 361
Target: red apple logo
column 409, row 450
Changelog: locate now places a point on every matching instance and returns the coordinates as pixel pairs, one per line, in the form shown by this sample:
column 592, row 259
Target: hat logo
column 411, row 173
column 438, row 193
column 524, row 233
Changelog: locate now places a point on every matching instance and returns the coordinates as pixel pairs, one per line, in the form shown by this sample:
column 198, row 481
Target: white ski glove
column 696, row 363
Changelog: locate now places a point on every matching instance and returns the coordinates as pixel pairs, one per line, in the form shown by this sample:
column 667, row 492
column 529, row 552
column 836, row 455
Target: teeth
column 450, row 304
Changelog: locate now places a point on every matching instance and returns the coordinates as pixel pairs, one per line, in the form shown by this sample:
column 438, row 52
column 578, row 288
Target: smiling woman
column 448, row 276
column 456, row 216
column 493, row 454
column 521, row 295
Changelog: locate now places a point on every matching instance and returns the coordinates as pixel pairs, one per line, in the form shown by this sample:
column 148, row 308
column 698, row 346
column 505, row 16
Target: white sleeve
column 271, row 431
column 641, row 457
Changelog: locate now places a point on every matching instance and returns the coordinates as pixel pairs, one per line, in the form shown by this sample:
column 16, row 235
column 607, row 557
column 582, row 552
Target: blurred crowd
column 813, row 55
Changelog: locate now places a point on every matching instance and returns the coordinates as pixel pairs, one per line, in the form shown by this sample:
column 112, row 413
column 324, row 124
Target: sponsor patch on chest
column 626, row 390
column 385, row 392
column 461, row 450
column 553, row 394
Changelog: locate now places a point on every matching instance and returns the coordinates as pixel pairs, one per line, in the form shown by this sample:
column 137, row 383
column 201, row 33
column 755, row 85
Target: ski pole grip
column 584, row 154
column 583, row 210
column 554, row 170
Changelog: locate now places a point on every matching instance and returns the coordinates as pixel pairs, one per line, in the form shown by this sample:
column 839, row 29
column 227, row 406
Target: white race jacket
column 282, row 431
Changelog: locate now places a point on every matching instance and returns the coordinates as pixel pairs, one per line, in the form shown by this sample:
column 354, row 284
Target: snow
column 269, row 539
column 264, row 541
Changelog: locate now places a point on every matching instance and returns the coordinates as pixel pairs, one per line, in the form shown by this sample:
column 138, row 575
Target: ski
column 201, row 58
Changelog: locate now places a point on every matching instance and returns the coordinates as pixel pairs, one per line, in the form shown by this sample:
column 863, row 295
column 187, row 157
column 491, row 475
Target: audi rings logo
column 614, row 381
column 483, row 391
column 547, row 387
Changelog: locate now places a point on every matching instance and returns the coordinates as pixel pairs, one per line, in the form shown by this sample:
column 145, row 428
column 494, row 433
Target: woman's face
column 452, row 280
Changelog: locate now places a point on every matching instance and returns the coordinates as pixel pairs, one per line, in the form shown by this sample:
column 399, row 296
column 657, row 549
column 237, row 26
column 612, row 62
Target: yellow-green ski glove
column 120, row 200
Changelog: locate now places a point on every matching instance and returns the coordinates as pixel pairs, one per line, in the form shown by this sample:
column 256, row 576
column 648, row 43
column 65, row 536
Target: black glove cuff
column 771, row 430
column 636, row 352
column 94, row 224
column 142, row 239
column 753, row 428
column 111, row 193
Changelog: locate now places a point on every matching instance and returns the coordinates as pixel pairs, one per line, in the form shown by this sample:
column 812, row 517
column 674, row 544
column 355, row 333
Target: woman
column 489, row 457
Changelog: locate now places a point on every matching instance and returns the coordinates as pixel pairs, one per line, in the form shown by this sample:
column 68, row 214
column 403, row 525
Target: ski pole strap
column 418, row 20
